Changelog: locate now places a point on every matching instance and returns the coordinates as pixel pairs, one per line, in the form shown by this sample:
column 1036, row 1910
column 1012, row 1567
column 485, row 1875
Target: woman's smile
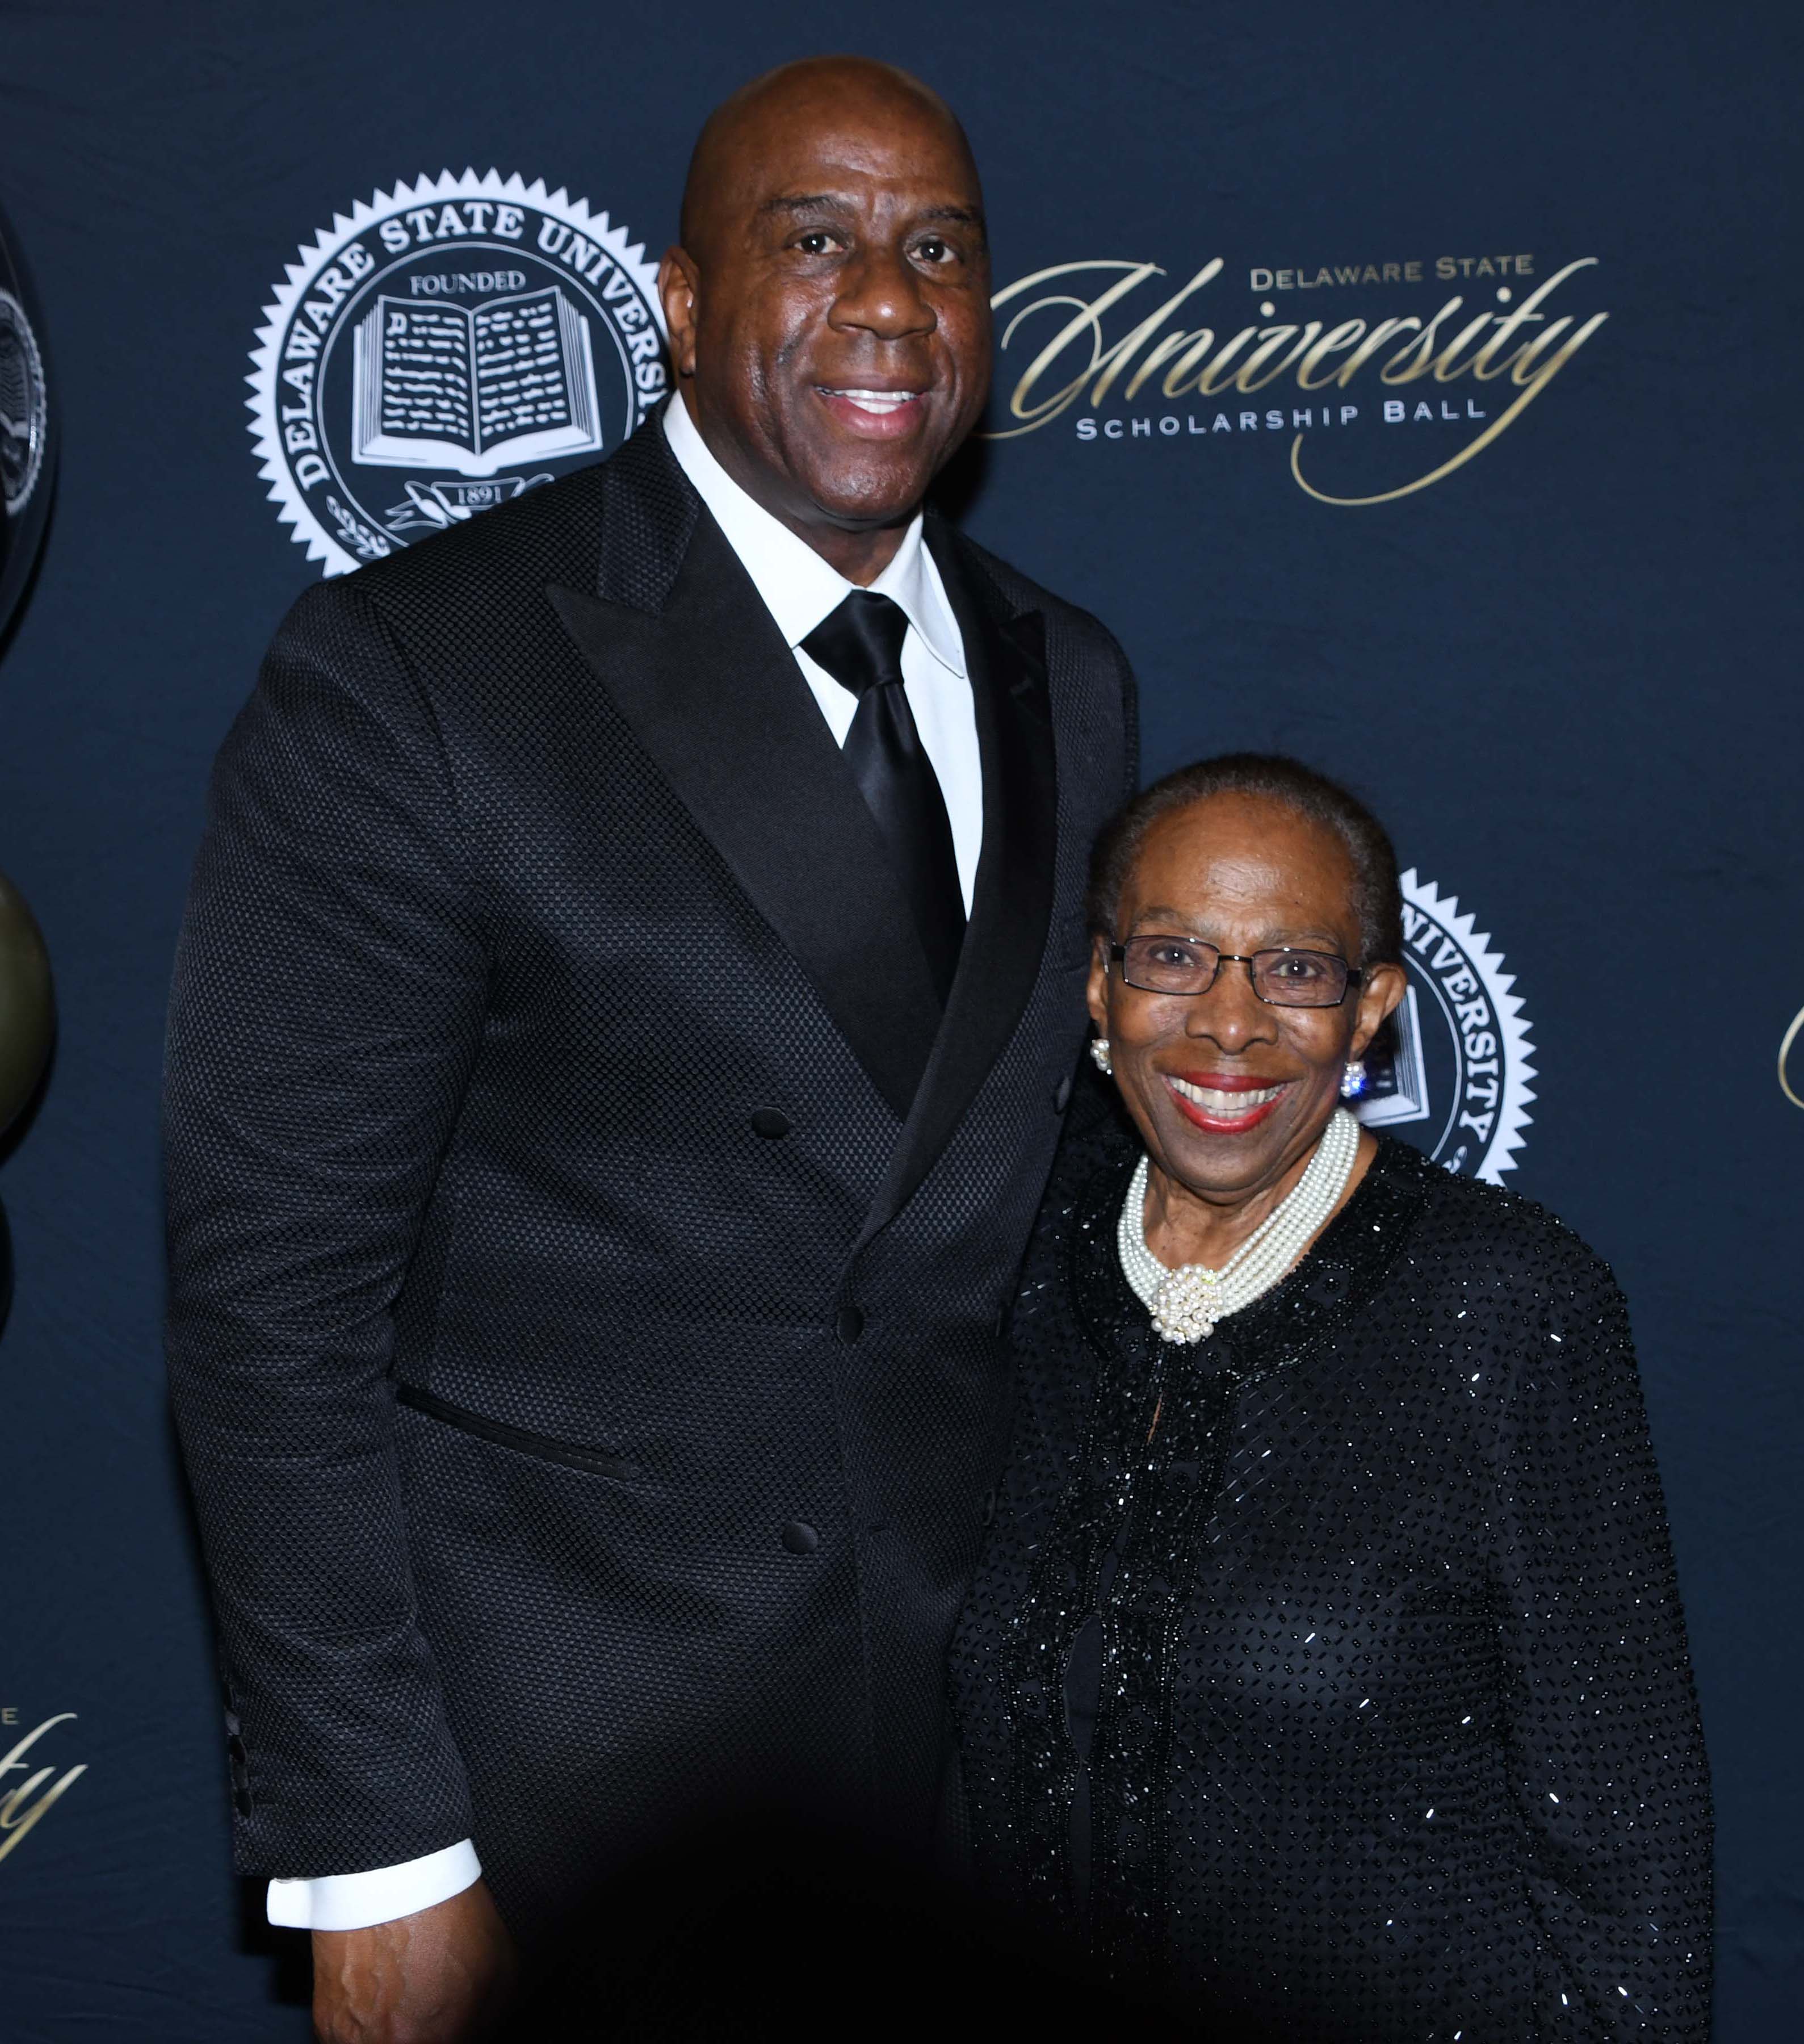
column 1224, row 1103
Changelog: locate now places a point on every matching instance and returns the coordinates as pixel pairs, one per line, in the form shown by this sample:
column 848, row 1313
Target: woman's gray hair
column 1378, row 899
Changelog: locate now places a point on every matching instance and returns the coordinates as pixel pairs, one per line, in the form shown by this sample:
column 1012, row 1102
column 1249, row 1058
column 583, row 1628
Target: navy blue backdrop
column 1564, row 670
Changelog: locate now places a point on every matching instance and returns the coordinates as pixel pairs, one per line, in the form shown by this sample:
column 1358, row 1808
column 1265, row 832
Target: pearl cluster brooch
column 1186, row 1304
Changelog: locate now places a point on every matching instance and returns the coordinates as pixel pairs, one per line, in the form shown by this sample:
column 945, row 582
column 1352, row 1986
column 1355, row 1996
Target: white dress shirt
column 799, row 589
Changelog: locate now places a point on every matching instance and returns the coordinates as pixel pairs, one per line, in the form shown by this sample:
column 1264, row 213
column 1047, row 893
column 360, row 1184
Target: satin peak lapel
column 714, row 697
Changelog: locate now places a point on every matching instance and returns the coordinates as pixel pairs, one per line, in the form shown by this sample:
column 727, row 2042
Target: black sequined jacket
column 1364, row 1615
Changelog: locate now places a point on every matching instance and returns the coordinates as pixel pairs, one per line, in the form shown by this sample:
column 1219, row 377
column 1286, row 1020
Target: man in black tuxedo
column 626, row 1009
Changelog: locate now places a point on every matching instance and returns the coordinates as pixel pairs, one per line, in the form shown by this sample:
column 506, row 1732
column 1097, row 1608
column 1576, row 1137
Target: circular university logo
column 1456, row 1079
column 25, row 409
column 443, row 348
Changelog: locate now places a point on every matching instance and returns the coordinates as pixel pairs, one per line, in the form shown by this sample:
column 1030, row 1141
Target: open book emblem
column 471, row 390
column 1397, row 1071
column 442, row 350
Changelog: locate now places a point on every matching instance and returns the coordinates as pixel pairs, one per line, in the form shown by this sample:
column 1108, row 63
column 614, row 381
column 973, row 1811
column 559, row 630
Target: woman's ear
column 1382, row 990
column 1098, row 992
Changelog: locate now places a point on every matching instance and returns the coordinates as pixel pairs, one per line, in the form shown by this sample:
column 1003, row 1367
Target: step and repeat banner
column 1409, row 391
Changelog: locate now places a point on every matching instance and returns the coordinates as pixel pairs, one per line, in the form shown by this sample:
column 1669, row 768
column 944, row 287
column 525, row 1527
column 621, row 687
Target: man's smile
column 873, row 412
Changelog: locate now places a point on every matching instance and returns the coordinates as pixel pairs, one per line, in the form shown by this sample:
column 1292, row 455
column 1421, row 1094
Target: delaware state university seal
column 23, row 406
column 30, row 404
column 443, row 348
column 1455, row 1079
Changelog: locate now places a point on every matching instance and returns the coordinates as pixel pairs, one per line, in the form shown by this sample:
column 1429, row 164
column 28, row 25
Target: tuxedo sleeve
column 327, row 1011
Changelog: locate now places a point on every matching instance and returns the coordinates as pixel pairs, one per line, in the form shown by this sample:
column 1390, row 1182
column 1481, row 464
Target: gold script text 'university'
column 1079, row 357
column 18, row 1812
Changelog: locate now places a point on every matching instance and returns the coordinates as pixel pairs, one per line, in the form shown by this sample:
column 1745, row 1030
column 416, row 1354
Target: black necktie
column 860, row 645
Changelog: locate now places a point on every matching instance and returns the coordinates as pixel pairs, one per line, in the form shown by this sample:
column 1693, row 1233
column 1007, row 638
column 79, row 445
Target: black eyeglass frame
column 1356, row 974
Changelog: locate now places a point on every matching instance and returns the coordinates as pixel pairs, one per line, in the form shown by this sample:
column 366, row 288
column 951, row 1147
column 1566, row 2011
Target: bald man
column 626, row 1009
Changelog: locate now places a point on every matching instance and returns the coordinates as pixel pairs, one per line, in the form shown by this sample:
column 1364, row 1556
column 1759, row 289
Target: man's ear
column 679, row 285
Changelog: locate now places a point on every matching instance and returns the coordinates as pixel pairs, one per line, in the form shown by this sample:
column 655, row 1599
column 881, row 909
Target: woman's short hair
column 1378, row 899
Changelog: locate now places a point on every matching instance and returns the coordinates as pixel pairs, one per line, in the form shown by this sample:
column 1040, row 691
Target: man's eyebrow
column 805, row 202
column 962, row 216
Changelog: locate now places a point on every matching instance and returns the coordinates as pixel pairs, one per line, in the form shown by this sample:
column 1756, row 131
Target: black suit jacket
column 588, row 1246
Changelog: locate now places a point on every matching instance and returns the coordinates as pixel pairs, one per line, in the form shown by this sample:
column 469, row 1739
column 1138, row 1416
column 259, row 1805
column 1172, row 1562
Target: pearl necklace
column 1186, row 1303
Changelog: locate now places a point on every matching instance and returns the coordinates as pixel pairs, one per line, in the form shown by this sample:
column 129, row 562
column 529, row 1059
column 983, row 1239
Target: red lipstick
column 1211, row 1115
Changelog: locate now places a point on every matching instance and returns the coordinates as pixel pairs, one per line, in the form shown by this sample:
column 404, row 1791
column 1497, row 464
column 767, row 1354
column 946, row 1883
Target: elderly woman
column 1325, row 1677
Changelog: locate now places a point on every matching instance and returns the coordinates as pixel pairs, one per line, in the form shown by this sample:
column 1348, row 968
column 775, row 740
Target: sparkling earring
column 1100, row 1051
column 1352, row 1079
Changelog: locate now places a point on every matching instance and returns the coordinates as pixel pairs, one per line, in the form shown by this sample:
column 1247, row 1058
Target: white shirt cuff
column 355, row 1901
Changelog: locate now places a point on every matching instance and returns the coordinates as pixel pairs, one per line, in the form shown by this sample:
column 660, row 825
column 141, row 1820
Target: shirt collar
column 798, row 587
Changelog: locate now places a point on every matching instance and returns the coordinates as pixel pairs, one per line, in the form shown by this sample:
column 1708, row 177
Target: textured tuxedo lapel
column 1011, row 910
column 690, row 657
column 650, row 511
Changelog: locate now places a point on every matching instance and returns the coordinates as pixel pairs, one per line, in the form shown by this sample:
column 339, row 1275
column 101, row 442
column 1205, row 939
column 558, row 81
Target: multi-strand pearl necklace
column 1186, row 1303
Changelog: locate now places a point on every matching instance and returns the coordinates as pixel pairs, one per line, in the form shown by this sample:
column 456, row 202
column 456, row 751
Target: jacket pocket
column 547, row 1449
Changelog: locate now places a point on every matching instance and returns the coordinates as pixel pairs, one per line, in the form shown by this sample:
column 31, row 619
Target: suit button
column 800, row 1538
column 770, row 1123
column 848, row 1324
column 1061, row 1094
column 989, row 1509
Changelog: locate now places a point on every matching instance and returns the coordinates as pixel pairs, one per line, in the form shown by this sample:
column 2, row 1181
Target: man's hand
column 442, row 1976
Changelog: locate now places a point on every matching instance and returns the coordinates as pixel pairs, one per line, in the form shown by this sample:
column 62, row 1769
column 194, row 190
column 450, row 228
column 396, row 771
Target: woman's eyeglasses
column 1282, row 978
